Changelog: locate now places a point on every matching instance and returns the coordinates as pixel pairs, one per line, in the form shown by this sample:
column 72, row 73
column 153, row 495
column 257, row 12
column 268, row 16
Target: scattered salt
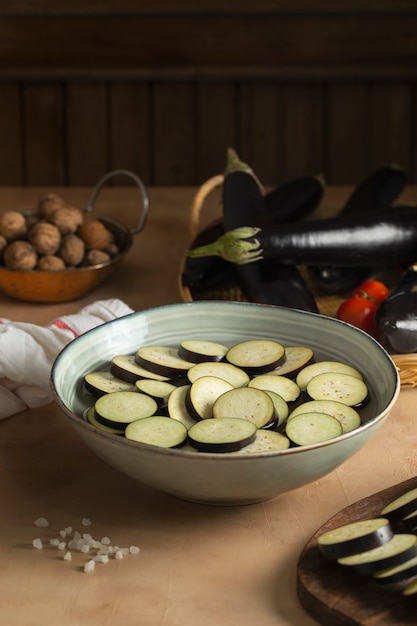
column 89, row 566
column 83, row 543
column 41, row 522
column 37, row 543
column 101, row 558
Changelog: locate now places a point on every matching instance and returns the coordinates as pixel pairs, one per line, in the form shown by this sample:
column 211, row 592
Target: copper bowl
column 72, row 283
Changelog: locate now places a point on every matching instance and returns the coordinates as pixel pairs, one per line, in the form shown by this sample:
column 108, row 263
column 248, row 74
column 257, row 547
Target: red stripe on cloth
column 64, row 326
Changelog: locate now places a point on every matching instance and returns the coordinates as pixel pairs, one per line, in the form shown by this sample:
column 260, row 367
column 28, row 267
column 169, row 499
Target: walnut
column 12, row 225
column 45, row 238
column 48, row 203
column 66, row 218
column 20, row 255
column 3, row 243
column 50, row 263
column 96, row 257
column 112, row 250
column 95, row 235
column 72, row 250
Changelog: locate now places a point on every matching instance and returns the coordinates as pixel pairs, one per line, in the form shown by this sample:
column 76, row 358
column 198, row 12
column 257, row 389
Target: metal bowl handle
column 142, row 189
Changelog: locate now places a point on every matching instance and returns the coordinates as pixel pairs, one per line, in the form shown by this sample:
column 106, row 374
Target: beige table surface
column 198, row 565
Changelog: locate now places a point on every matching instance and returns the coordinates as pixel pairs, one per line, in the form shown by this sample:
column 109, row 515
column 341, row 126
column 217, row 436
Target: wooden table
column 198, row 564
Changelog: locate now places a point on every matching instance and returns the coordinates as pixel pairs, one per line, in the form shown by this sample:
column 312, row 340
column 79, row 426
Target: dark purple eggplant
column 295, row 199
column 370, row 240
column 264, row 283
column 396, row 316
column 377, row 192
column 208, row 272
column 292, row 200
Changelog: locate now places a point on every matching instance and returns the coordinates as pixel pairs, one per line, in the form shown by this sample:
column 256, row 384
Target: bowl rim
column 80, row 421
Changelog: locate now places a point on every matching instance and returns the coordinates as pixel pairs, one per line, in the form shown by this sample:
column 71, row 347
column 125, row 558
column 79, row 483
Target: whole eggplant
column 396, row 316
column 388, row 238
column 243, row 204
column 378, row 191
column 244, row 198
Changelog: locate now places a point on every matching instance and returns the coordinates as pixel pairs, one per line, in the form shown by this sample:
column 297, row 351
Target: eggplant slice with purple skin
column 355, row 537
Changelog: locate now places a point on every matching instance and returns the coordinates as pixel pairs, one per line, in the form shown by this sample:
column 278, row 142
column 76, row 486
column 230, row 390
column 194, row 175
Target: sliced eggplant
column 266, row 441
column 307, row 373
column 124, row 366
column 355, row 537
column 222, row 435
column 256, row 356
column 157, row 430
column 162, row 360
column 248, row 403
column 339, row 387
column 202, row 395
column 401, row 507
column 399, row 549
column 177, row 409
column 397, row 573
column 198, row 351
column 101, row 382
column 411, row 588
column 120, row 408
column 410, row 523
column 234, row 375
column 280, row 407
column 296, row 358
column 349, row 417
column 283, row 386
column 91, row 418
column 158, row 389
column 310, row 428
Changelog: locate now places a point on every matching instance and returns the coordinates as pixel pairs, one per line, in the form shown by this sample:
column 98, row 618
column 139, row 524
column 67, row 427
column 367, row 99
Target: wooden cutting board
column 336, row 597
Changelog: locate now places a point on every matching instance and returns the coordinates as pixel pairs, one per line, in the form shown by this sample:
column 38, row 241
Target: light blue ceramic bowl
column 224, row 479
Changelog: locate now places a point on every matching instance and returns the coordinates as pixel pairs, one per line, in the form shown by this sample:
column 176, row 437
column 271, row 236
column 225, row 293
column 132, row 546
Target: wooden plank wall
column 162, row 87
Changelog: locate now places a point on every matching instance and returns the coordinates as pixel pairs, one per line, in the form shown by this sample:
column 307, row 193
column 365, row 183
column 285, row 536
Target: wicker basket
column 327, row 304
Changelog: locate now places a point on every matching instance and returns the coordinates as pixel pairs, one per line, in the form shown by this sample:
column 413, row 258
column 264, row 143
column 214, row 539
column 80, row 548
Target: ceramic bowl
column 224, row 479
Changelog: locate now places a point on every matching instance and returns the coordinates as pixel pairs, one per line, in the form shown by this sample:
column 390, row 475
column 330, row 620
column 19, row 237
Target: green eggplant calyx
column 234, row 164
column 238, row 246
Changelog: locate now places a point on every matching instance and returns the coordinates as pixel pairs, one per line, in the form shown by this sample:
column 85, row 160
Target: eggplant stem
column 238, row 246
column 234, row 164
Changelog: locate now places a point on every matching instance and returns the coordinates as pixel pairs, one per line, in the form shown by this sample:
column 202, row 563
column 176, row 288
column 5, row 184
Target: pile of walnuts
column 55, row 237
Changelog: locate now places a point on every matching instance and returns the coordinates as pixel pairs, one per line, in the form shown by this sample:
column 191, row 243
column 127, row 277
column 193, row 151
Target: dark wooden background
column 162, row 87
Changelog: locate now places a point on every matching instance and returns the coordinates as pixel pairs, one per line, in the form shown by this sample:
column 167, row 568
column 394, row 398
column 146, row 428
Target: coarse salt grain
column 134, row 550
column 105, row 541
column 86, row 521
column 37, row 543
column 54, row 542
column 89, row 566
column 62, row 545
column 41, row 522
column 118, row 554
column 67, row 556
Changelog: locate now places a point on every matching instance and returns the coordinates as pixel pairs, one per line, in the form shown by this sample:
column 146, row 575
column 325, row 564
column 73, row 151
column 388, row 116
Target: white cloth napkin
column 27, row 352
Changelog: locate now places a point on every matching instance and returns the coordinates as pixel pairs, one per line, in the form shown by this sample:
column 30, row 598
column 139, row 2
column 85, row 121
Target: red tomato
column 373, row 290
column 360, row 312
